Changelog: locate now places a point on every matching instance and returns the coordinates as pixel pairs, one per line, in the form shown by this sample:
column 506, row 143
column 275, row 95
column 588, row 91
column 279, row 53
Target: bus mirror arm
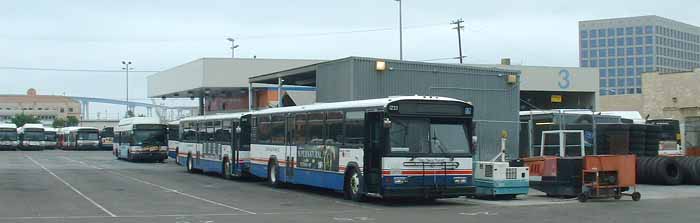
column 387, row 123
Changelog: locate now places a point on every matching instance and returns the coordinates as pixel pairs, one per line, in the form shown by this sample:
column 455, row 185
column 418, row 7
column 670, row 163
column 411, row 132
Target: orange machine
column 607, row 176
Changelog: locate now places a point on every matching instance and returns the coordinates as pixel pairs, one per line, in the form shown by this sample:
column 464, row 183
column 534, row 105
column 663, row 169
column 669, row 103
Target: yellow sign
column 556, row 99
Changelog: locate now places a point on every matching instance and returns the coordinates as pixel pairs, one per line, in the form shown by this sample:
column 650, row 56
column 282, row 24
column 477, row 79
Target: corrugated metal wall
column 496, row 102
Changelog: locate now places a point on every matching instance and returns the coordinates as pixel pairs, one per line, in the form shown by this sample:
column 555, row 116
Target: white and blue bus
column 31, row 136
column 9, row 139
column 408, row 146
column 141, row 138
column 50, row 138
column 173, row 138
column 215, row 143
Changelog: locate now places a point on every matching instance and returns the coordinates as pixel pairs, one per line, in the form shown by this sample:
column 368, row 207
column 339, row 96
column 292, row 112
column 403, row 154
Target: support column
column 279, row 92
column 201, row 105
column 250, row 96
column 149, row 111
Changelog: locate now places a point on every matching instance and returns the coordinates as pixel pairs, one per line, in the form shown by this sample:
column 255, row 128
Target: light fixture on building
column 512, row 79
column 380, row 65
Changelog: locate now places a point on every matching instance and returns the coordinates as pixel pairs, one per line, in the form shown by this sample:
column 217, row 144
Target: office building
column 623, row 48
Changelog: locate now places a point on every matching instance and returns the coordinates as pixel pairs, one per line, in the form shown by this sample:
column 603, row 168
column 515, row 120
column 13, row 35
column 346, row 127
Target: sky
column 158, row 35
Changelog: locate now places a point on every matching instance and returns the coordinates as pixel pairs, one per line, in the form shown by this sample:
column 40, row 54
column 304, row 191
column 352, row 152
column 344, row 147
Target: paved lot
column 60, row 186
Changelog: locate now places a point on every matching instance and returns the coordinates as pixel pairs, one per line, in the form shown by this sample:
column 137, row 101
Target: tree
column 21, row 119
column 72, row 121
column 59, row 123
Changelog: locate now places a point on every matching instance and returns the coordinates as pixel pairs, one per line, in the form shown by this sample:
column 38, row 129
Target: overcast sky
column 157, row 35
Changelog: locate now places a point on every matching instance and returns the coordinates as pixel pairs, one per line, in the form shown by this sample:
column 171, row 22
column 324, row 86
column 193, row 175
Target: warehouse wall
column 496, row 102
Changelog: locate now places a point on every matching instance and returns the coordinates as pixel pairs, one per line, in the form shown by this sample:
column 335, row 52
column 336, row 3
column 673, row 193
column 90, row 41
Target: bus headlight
column 460, row 180
column 400, row 180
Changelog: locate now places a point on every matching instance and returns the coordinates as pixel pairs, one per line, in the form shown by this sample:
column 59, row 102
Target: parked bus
column 31, row 136
column 173, row 138
column 407, row 146
column 141, row 138
column 8, row 136
column 106, row 138
column 49, row 138
column 78, row 138
column 669, row 137
column 216, row 143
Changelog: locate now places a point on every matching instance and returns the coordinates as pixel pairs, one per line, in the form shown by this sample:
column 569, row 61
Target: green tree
column 72, row 121
column 21, row 119
column 59, row 123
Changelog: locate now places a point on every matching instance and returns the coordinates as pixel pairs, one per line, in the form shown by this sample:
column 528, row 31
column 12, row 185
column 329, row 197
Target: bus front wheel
column 190, row 167
column 226, row 170
column 352, row 185
column 273, row 174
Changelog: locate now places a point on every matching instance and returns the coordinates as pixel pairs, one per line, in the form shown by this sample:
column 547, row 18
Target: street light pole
column 400, row 32
column 127, row 68
column 233, row 47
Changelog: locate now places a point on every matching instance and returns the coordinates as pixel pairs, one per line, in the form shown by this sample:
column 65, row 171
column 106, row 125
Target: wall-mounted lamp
column 380, row 65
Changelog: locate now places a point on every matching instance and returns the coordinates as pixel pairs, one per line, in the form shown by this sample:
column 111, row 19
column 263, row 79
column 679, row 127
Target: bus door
column 235, row 146
column 373, row 151
column 289, row 148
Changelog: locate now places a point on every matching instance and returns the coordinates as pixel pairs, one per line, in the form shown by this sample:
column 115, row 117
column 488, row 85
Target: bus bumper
column 31, row 147
column 88, row 147
column 8, row 147
column 148, row 155
column 429, row 192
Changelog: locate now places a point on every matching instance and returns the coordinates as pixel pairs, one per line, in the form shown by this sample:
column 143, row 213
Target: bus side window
column 354, row 129
column 263, row 129
column 315, row 128
column 334, row 125
column 277, row 129
column 299, row 129
column 224, row 134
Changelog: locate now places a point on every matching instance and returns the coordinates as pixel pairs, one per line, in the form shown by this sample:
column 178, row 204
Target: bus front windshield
column 8, row 135
column 429, row 136
column 87, row 136
column 33, row 136
column 50, row 136
column 151, row 137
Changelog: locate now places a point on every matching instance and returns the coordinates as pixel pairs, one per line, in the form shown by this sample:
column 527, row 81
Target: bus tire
column 226, row 169
column 352, row 185
column 273, row 174
column 128, row 155
column 177, row 156
column 190, row 164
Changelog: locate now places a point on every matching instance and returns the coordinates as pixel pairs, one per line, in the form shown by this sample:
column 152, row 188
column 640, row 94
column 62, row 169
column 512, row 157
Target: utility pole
column 233, row 47
column 400, row 32
column 127, row 68
column 459, row 28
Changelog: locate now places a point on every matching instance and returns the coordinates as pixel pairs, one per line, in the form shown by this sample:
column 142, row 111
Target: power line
column 444, row 58
column 73, row 70
column 336, row 33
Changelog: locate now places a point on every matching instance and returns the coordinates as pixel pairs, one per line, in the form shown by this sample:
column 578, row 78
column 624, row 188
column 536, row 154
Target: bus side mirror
column 238, row 130
column 387, row 123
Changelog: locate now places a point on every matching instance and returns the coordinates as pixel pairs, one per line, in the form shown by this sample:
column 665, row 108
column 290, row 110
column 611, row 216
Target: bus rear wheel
column 273, row 174
column 352, row 185
column 190, row 166
column 226, row 170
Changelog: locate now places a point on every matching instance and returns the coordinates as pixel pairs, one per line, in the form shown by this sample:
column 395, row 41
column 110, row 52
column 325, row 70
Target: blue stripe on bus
column 322, row 179
column 172, row 154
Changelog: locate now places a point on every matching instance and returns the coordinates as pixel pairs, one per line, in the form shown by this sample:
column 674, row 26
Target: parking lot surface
column 92, row 186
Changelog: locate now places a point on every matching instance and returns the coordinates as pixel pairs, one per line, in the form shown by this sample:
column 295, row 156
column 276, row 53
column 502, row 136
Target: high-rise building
column 623, row 48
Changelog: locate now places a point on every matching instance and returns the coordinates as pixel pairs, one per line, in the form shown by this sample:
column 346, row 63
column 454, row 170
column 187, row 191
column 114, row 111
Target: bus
column 78, row 138
column 31, row 136
column 106, row 138
column 215, row 143
column 669, row 137
column 407, row 146
column 49, row 138
column 141, row 138
column 173, row 138
column 8, row 136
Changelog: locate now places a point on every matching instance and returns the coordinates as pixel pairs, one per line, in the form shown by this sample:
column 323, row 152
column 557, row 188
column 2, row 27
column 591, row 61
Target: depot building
column 223, row 85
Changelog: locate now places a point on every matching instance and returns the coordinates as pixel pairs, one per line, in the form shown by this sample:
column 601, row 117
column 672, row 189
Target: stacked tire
column 637, row 137
column 659, row 170
column 691, row 169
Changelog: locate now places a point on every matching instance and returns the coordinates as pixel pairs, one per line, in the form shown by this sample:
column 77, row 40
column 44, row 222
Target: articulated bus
column 215, row 143
column 141, row 138
column 173, row 138
column 50, row 138
column 107, row 138
column 78, row 138
column 31, row 136
column 409, row 146
column 8, row 136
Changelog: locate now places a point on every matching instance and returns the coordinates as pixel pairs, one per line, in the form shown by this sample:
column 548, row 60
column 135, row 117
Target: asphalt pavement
column 93, row 186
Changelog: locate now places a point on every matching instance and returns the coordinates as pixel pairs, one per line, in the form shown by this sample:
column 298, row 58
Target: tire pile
column 691, row 169
column 653, row 135
column 659, row 170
